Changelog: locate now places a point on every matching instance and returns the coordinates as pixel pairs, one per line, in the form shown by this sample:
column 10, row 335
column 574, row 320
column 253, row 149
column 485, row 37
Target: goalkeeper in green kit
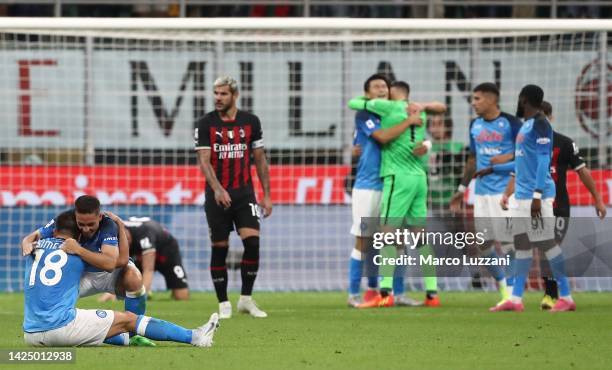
column 404, row 199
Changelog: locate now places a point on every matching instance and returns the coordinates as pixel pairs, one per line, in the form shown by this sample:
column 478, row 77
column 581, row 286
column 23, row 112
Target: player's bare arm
column 124, row 246
column 469, row 170
column 434, row 107
column 383, row 136
column 27, row 243
column 261, row 164
column 148, row 268
column 503, row 202
column 105, row 260
column 221, row 195
column 585, row 176
column 502, row 158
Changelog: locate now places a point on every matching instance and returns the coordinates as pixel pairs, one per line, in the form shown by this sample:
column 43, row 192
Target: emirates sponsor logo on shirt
column 230, row 150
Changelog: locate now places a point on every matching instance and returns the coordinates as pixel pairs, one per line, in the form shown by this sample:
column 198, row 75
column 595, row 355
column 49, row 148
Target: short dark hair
column 487, row 87
column 533, row 94
column 402, row 85
column 87, row 204
column 546, row 108
column 374, row 77
column 66, row 223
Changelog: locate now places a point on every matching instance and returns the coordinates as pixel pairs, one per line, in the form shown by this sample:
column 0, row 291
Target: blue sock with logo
column 157, row 329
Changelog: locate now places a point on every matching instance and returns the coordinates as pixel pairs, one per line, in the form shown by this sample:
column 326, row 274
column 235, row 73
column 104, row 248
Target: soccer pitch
column 317, row 330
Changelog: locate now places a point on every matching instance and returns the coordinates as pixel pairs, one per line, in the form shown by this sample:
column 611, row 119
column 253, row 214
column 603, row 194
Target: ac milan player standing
column 224, row 140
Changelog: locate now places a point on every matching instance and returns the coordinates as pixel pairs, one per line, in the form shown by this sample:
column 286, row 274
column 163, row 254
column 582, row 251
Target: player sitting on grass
column 106, row 253
column 51, row 290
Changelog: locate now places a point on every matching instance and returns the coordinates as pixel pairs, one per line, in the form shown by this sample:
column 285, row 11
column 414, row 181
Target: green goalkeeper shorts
column 404, row 200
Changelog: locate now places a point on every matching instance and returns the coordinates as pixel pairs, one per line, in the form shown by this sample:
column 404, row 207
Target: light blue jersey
column 532, row 157
column 488, row 139
column 51, row 286
column 106, row 235
column 368, row 168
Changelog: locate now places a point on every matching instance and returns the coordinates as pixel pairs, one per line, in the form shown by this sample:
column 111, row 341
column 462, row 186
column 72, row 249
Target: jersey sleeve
column 200, row 134
column 543, row 136
column 358, row 103
column 108, row 233
column 575, row 160
column 147, row 243
column 515, row 126
column 472, row 142
column 382, row 107
column 257, row 139
column 366, row 124
column 47, row 230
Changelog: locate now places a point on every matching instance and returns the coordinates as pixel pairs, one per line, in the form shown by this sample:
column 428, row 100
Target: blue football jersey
column 488, row 139
column 107, row 234
column 532, row 157
column 368, row 168
column 51, row 286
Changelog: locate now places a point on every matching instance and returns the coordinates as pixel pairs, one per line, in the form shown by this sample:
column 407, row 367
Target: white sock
column 516, row 299
column 568, row 298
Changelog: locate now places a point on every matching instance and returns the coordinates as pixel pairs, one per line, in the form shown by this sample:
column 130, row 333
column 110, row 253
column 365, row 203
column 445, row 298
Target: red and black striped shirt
column 230, row 144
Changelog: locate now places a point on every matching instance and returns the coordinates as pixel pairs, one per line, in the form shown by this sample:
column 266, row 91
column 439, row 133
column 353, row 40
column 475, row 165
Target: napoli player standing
column 52, row 276
column 492, row 136
column 533, row 218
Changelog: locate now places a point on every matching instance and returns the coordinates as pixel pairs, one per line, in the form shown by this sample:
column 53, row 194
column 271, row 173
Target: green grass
column 317, row 330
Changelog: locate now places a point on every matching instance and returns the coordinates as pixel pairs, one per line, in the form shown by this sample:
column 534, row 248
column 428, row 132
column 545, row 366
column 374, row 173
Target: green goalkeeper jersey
column 397, row 157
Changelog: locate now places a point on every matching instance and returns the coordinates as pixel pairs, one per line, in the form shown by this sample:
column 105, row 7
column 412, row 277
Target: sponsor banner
column 150, row 99
column 170, row 185
column 153, row 185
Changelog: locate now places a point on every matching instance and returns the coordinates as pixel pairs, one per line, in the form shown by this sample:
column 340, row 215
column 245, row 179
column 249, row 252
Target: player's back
column 51, row 286
column 147, row 234
column 487, row 140
column 534, row 141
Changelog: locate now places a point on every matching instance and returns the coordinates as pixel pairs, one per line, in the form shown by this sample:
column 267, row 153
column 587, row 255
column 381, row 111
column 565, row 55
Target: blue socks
column 122, row 339
column 523, row 263
column 496, row 271
column 157, row 329
column 398, row 280
column 355, row 272
column 557, row 265
column 136, row 302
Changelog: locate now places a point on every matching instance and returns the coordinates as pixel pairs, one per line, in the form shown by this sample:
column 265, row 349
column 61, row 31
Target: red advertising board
column 291, row 184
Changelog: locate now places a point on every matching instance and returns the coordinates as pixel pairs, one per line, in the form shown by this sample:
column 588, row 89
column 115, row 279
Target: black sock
column 550, row 287
column 384, row 292
column 218, row 271
column 249, row 264
column 431, row 294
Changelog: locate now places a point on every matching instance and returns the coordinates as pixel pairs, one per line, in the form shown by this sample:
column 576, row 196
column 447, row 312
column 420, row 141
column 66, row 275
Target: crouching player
column 52, row 276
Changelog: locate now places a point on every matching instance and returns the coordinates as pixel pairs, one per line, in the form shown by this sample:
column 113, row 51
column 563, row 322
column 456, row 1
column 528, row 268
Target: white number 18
column 48, row 265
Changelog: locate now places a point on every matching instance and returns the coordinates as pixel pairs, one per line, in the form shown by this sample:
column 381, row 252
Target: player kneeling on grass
column 52, row 289
column 153, row 248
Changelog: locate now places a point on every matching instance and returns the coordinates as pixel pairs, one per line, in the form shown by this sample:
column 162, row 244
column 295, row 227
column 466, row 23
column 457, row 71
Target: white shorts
column 365, row 203
column 100, row 281
column 491, row 220
column 539, row 229
column 89, row 328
